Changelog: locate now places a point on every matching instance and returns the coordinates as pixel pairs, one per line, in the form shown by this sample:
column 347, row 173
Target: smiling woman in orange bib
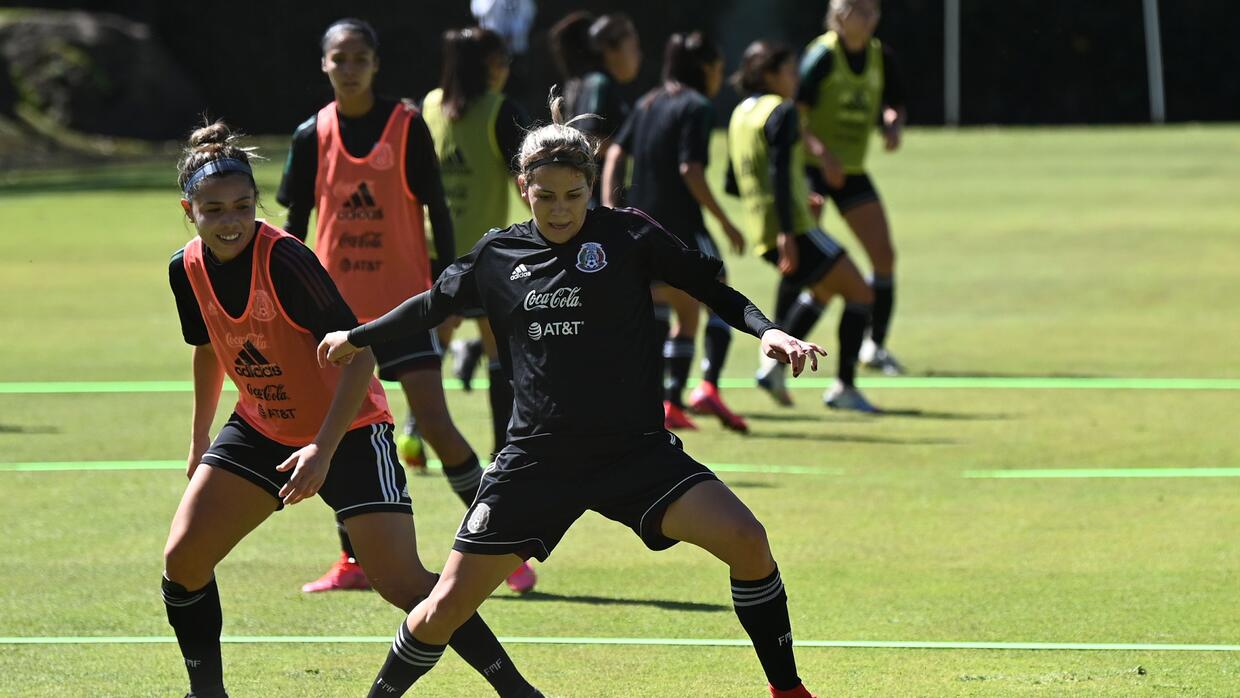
column 253, row 303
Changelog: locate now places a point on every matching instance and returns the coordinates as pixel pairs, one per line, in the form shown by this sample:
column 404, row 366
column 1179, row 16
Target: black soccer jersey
column 575, row 322
column 666, row 130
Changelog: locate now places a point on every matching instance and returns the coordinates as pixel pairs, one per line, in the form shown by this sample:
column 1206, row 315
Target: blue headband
column 221, row 166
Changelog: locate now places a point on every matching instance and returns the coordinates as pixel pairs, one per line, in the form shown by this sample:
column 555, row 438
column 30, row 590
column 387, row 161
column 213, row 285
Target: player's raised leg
column 711, row 517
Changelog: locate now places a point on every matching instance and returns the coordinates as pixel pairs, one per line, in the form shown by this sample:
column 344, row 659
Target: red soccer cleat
column 522, row 579
column 344, row 574
column 705, row 400
column 675, row 418
column 799, row 692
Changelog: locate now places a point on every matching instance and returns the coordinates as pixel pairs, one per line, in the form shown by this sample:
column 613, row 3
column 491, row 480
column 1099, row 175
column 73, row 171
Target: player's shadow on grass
column 931, row 373
column 18, row 429
column 848, row 438
column 536, row 596
column 942, row 414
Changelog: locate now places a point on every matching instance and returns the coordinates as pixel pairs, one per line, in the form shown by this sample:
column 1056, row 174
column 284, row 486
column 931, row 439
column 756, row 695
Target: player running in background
column 596, row 57
column 477, row 130
column 585, row 303
column 850, row 85
column 253, row 302
column 668, row 136
column 765, row 166
column 367, row 164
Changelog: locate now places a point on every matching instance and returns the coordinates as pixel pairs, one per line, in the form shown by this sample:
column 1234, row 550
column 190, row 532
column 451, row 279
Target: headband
column 556, row 160
column 220, row 166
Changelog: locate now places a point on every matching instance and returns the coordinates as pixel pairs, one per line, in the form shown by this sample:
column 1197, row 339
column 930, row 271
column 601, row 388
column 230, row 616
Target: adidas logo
column 251, row 363
column 520, row 272
column 360, row 206
column 453, row 159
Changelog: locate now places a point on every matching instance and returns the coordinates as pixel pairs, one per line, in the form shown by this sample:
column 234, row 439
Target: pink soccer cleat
column 523, row 578
column 344, row 574
column 705, row 399
column 799, row 692
column 675, row 418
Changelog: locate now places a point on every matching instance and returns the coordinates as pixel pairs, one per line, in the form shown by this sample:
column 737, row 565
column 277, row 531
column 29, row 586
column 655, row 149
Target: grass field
column 1076, row 254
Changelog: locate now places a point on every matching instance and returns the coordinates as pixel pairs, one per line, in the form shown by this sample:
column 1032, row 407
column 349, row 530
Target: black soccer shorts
column 365, row 474
column 527, row 502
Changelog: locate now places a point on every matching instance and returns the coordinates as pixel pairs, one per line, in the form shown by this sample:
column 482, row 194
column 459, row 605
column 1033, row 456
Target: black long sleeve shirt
column 562, row 311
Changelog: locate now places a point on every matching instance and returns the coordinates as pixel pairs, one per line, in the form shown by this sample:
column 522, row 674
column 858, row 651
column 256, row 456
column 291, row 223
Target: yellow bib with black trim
column 848, row 102
column 750, row 155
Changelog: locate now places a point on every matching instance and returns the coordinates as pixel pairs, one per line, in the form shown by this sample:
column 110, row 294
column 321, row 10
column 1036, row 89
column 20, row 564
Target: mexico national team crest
column 591, row 258
column 264, row 309
column 479, row 518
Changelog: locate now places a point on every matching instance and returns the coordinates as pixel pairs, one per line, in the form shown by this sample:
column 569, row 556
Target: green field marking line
column 110, row 465
column 642, row 641
column 1081, row 473
column 880, row 382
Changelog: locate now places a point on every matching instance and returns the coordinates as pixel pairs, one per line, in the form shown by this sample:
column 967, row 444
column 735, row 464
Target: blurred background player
column 477, row 132
column 367, row 164
column 765, row 167
column 253, row 302
column 850, row 85
column 569, row 453
column 668, row 136
column 596, row 57
column 477, row 129
column 512, row 20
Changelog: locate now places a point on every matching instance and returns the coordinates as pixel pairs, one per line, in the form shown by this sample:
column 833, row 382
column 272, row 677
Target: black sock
column 465, row 478
column 762, row 608
column 500, row 394
column 346, row 545
column 785, row 295
column 884, row 301
column 662, row 326
column 478, row 646
column 803, row 316
column 852, row 329
column 678, row 355
column 715, row 352
column 196, row 618
column 407, row 661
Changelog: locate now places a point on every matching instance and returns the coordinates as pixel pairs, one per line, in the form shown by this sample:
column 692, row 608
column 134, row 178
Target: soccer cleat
column 799, row 692
column 705, row 399
column 675, row 418
column 772, row 378
column 879, row 359
column 523, row 578
column 344, row 574
column 410, row 448
column 465, row 358
column 843, row 397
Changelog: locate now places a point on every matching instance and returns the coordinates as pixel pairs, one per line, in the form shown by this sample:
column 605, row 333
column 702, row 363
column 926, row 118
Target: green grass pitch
column 1090, row 253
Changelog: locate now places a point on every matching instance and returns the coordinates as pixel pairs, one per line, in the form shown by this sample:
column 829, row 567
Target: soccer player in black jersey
column 252, row 301
column 668, row 135
column 569, row 292
column 597, row 56
column 350, row 61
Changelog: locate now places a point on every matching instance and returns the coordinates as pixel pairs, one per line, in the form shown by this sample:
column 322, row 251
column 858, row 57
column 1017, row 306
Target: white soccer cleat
column 842, row 397
column 772, row 378
column 878, row 358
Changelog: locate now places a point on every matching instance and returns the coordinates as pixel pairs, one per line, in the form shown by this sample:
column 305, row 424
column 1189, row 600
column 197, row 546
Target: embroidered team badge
column 479, row 518
column 264, row 309
column 382, row 157
column 591, row 258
